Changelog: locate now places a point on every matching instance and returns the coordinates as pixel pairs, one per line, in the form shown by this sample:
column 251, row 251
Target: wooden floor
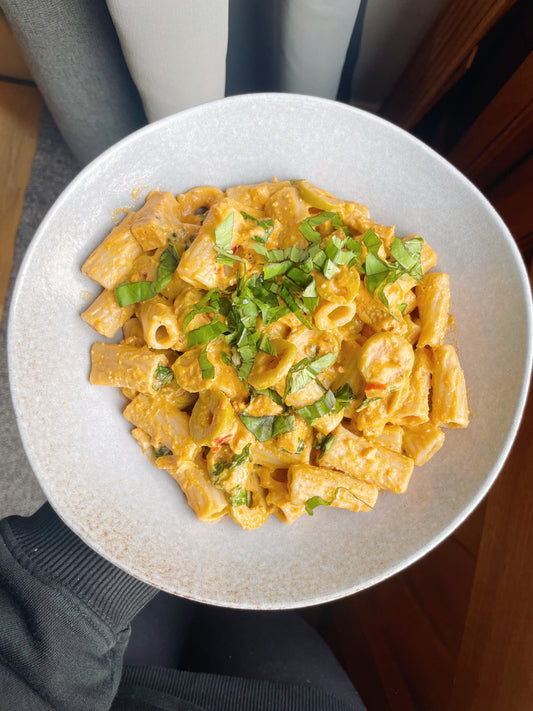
column 20, row 111
column 454, row 631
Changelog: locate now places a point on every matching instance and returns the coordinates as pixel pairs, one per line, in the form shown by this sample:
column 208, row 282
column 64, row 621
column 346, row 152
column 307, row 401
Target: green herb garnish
column 343, row 396
column 323, row 444
column 366, row 402
column 306, row 370
column 329, row 404
column 223, row 234
column 205, row 334
column 129, row 293
column 299, row 449
column 268, row 392
column 266, row 225
column 314, row 501
column 208, row 303
column 163, row 374
column 207, row 368
column 307, row 228
column 225, row 465
column 267, row 427
column 322, row 407
column 161, row 452
column 265, row 345
column 241, row 497
column 336, row 251
column 380, row 272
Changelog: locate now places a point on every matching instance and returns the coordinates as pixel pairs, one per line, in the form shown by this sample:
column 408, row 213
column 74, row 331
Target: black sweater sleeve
column 64, row 617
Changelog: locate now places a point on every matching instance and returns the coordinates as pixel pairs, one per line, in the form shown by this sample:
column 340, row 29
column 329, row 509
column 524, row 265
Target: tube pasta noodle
column 105, row 315
column 281, row 350
column 159, row 324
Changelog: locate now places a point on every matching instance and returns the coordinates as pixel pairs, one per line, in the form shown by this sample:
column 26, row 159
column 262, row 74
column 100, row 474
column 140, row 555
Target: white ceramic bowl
column 79, row 445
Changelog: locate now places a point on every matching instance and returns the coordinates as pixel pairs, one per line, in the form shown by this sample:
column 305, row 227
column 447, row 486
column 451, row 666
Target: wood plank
column 495, row 665
column 512, row 199
column 399, row 640
column 358, row 638
column 20, row 111
column 443, row 591
column 12, row 62
column 440, row 59
column 503, row 134
column 469, row 532
column 526, row 247
column 426, row 662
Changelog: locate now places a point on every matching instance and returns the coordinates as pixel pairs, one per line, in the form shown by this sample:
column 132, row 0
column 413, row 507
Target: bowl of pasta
column 268, row 338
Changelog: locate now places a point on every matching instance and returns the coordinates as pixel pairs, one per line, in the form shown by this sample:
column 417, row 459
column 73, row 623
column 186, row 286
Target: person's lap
column 276, row 646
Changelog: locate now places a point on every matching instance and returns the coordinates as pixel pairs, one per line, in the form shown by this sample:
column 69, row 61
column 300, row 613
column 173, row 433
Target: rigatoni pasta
column 281, row 350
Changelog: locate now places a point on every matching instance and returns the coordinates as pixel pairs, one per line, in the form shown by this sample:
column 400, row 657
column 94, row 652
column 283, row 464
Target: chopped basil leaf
column 223, row 234
column 266, row 346
column 299, row 449
column 377, row 272
column 134, row 292
column 205, row 334
column 239, row 459
column 163, row 374
column 161, row 451
column 407, row 254
column 296, row 308
column 380, row 272
column 268, row 426
column 281, row 256
column 371, row 241
column 299, row 276
column 305, row 371
column 228, row 360
column 336, row 250
column 245, row 312
column 207, row 368
column 343, row 397
column 314, row 501
column 366, row 402
column 310, row 295
column 267, row 225
column 241, row 497
column 307, row 227
column 256, row 291
column 246, row 348
column 330, row 403
column 270, row 271
column 270, row 393
column 329, row 269
column 225, row 465
column 129, row 293
column 324, row 444
column 206, row 304
column 323, row 406
column 344, row 251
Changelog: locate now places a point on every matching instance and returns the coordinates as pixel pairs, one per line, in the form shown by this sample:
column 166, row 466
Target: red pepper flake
column 375, row 386
column 219, row 442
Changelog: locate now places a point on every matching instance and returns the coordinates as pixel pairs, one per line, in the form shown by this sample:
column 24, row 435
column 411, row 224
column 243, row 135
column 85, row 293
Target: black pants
column 273, row 646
